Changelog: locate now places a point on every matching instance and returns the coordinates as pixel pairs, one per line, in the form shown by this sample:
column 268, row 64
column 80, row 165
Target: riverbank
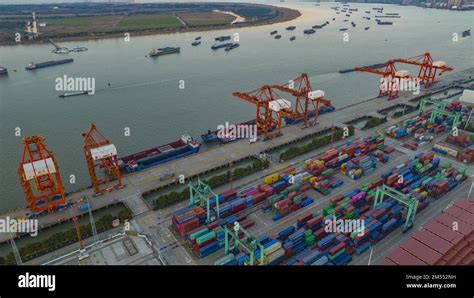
column 95, row 25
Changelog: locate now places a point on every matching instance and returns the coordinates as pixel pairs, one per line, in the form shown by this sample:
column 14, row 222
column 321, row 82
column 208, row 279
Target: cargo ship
column 3, row 71
column 32, row 65
column 186, row 145
column 384, row 23
column 322, row 110
column 290, row 28
column 309, row 31
column 343, row 29
column 164, row 51
column 222, row 45
column 232, row 46
column 222, row 38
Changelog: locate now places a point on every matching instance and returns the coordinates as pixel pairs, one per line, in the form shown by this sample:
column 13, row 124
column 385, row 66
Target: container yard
column 359, row 158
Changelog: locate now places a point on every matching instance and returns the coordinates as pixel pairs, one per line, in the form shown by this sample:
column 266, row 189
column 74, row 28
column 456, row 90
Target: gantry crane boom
column 101, row 153
column 38, row 165
column 428, row 67
column 305, row 106
column 267, row 118
column 389, row 73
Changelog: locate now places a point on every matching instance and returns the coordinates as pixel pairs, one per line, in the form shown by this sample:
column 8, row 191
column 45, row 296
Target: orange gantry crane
column 38, row 166
column 270, row 110
column 428, row 68
column 390, row 74
column 101, row 154
column 307, row 101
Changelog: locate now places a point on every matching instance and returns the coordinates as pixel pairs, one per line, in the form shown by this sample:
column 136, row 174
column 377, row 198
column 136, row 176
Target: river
column 145, row 95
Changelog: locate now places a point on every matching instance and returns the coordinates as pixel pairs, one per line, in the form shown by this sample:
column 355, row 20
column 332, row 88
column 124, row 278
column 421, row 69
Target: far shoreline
column 289, row 14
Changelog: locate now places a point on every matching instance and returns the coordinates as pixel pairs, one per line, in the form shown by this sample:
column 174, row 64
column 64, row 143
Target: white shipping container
column 439, row 63
column 272, row 248
column 279, row 104
column 103, row 152
column 402, row 73
column 316, row 94
column 275, row 255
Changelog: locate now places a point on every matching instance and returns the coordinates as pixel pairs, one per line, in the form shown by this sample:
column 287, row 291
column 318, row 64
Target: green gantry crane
column 441, row 105
column 439, row 111
column 435, row 113
column 410, row 203
column 249, row 243
column 200, row 194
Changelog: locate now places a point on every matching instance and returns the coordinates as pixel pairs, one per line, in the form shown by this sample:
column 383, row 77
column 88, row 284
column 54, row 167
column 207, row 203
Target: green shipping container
column 337, row 254
column 308, row 233
column 446, row 165
column 198, row 233
column 205, row 237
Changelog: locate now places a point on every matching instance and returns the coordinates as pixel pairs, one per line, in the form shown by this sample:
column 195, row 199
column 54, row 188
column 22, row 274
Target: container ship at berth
column 186, row 145
column 164, row 51
column 32, row 66
column 3, row 71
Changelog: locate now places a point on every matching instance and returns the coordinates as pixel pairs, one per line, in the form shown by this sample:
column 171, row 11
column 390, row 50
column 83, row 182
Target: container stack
column 437, row 243
column 187, row 219
column 359, row 166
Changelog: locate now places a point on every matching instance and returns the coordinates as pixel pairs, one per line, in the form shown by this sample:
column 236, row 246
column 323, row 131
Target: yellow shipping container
column 358, row 172
column 270, row 179
column 307, row 177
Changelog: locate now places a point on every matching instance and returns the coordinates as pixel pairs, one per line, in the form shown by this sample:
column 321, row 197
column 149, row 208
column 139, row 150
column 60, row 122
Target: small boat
column 366, row 28
column 292, row 38
column 222, row 45
column 198, row 38
column 79, row 49
column 343, row 29
column 232, row 46
column 3, row 71
column 61, row 51
column 74, row 94
column 466, row 33
column 277, row 36
column 196, row 43
column 309, row 31
column 273, row 32
column 164, row 51
column 290, row 28
column 222, row 38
